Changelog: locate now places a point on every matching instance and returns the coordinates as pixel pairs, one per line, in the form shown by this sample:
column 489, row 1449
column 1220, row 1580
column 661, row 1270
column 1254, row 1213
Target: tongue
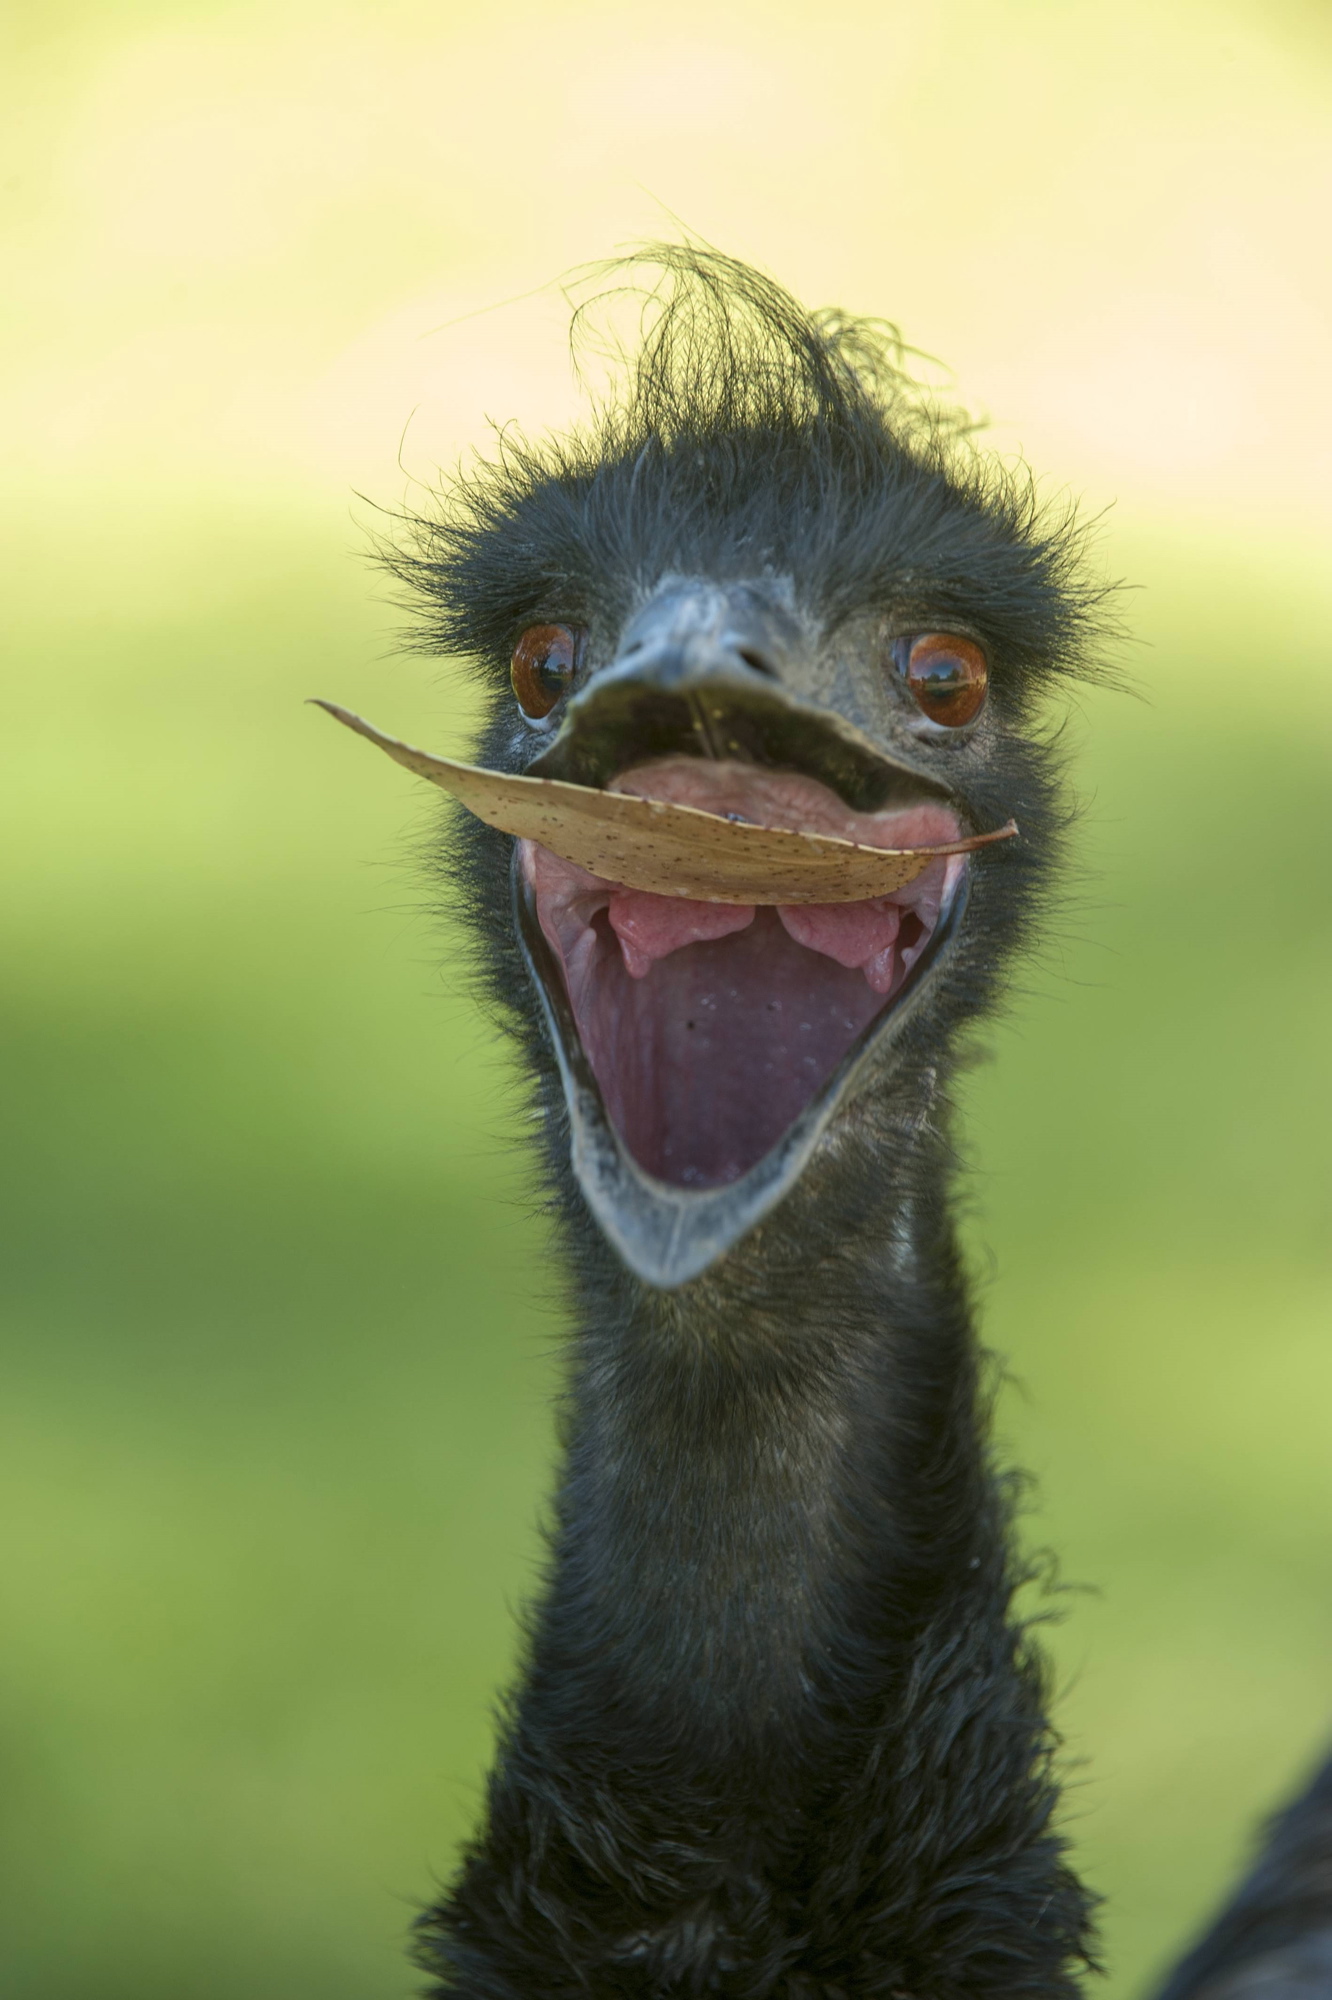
column 855, row 934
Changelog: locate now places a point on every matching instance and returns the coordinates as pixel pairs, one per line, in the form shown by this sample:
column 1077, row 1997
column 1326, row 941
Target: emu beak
column 732, row 897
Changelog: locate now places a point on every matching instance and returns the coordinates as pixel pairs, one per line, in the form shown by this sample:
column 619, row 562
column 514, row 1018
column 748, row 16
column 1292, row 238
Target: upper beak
column 724, row 671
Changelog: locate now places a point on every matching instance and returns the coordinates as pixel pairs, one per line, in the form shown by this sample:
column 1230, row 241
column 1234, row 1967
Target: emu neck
column 779, row 1736
column 774, row 1480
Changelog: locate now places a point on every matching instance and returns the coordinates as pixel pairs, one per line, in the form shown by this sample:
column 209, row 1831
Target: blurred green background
column 276, row 1346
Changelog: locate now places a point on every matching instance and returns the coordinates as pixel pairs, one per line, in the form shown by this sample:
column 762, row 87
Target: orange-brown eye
column 543, row 665
column 946, row 673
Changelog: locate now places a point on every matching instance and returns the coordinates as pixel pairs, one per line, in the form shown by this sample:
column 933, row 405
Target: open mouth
column 713, row 1029
column 708, row 1010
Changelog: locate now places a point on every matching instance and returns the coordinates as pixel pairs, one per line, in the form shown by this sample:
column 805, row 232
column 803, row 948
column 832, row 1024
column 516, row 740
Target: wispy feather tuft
column 747, row 436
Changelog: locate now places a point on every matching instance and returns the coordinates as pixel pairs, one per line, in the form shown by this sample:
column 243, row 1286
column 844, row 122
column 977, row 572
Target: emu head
column 773, row 582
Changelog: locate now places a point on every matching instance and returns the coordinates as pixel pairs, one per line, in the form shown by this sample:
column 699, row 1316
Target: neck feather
column 779, row 1734
column 774, row 1479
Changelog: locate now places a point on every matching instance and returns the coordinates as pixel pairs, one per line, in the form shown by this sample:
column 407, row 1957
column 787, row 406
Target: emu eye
column 542, row 667
column 946, row 673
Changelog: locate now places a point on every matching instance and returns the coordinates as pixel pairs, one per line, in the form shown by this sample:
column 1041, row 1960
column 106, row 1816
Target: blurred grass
column 274, row 1352
column 1155, row 1132
column 276, row 1357
column 268, row 1298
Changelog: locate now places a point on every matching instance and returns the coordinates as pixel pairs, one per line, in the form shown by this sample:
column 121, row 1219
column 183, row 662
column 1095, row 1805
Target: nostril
column 755, row 659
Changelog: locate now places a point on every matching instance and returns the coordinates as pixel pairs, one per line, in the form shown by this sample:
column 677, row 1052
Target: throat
column 755, row 1523
column 777, row 1715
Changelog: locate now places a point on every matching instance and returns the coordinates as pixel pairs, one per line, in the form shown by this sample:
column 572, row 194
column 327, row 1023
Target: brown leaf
column 671, row 850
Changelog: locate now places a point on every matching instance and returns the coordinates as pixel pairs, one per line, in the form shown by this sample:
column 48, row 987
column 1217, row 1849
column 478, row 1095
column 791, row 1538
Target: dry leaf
column 671, row 850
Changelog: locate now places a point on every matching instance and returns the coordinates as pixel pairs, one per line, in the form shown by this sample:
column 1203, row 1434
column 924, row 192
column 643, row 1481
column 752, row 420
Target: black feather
column 1273, row 1939
column 780, row 1733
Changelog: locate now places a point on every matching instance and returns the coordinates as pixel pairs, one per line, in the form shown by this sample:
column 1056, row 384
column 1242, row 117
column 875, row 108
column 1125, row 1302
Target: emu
column 781, row 1733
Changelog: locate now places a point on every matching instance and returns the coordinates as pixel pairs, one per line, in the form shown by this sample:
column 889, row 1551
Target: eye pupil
column 946, row 673
column 542, row 667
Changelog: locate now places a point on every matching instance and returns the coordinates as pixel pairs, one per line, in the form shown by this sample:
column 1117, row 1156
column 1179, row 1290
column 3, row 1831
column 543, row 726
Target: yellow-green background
column 275, row 1355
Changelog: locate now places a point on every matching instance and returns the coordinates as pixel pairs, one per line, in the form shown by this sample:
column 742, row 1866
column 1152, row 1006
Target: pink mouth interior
column 711, row 1026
